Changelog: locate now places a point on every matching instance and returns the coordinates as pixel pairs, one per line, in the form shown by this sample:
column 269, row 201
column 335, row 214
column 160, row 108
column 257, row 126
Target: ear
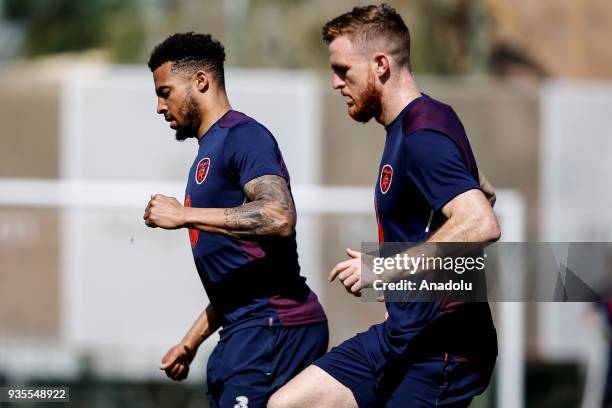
column 381, row 64
column 201, row 80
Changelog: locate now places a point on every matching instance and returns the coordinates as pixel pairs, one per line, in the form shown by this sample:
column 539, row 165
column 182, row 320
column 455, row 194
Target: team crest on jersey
column 194, row 234
column 202, row 170
column 386, row 176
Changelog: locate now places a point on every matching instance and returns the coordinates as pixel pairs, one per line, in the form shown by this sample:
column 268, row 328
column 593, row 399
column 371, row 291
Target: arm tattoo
column 269, row 210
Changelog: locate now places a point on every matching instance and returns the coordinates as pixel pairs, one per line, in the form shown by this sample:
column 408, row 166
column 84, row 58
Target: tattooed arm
column 269, row 211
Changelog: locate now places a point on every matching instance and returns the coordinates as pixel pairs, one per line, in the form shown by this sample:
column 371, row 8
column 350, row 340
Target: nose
column 161, row 106
column 337, row 82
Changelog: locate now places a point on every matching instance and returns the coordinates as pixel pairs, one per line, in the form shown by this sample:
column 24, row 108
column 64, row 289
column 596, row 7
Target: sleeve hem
column 440, row 203
column 259, row 173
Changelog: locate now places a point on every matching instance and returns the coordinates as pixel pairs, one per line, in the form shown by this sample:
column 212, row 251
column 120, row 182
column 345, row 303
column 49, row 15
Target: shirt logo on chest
column 386, row 176
column 202, row 170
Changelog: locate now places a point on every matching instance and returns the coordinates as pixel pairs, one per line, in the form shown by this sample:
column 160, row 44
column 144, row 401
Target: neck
column 396, row 96
column 212, row 112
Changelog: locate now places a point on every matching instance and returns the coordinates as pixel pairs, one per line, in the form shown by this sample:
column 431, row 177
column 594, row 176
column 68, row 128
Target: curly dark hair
column 190, row 52
column 368, row 24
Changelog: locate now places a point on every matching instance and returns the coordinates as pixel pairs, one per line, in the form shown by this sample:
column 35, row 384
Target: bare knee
column 297, row 393
column 313, row 388
column 280, row 399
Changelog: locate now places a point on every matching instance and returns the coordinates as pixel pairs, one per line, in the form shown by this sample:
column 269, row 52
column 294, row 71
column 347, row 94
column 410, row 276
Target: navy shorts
column 439, row 381
column 249, row 365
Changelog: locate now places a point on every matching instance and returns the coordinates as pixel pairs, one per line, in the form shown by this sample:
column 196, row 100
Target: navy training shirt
column 427, row 161
column 248, row 283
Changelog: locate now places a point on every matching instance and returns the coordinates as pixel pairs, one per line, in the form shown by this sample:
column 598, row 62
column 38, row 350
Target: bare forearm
column 269, row 211
column 205, row 325
column 455, row 241
column 475, row 230
column 470, row 220
column 250, row 220
column 453, row 231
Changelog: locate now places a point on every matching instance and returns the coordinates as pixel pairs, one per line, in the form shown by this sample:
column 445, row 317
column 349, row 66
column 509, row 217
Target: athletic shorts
column 438, row 381
column 248, row 365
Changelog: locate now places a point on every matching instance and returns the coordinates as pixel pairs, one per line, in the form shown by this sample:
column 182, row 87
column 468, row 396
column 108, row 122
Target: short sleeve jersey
column 248, row 282
column 427, row 161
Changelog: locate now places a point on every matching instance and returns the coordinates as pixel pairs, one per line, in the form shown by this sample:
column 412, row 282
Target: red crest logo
column 194, row 234
column 386, row 176
column 202, row 170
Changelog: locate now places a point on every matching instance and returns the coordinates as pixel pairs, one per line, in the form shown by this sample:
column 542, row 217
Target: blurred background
column 92, row 299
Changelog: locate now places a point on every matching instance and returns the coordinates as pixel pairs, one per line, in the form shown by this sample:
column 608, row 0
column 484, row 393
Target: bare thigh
column 313, row 388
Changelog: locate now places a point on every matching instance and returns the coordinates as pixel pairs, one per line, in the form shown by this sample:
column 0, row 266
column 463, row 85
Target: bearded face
column 368, row 103
column 189, row 126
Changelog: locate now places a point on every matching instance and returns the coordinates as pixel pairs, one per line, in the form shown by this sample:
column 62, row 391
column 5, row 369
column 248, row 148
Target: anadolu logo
column 194, row 234
column 386, row 176
column 202, row 170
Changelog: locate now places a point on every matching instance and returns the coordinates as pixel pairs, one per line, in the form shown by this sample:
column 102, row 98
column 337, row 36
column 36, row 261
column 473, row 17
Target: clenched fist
column 164, row 212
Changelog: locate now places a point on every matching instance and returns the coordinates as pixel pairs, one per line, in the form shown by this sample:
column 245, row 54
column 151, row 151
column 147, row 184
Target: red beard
column 368, row 104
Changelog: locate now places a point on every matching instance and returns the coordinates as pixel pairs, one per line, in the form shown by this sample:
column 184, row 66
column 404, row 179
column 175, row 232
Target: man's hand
column 176, row 362
column 349, row 273
column 164, row 212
